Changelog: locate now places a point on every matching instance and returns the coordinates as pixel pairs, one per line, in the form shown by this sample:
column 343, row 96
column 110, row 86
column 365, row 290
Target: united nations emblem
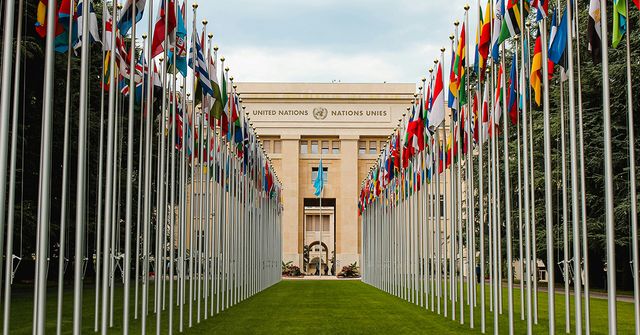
column 320, row 113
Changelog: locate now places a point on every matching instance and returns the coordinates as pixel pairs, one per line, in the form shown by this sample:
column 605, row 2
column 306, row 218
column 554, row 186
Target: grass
column 319, row 307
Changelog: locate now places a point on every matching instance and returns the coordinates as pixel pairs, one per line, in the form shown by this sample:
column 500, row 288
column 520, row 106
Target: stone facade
column 346, row 125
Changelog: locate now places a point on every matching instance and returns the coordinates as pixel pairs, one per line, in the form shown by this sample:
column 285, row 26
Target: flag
column 485, row 38
column 94, row 34
column 160, row 30
column 558, row 39
column 619, row 21
column 201, row 68
column 437, row 109
column 107, row 71
column 497, row 111
column 68, row 25
column 495, row 35
column 41, row 20
column 536, row 71
column 224, row 120
column 216, row 107
column 512, row 105
column 511, row 24
column 452, row 102
column 457, row 85
column 594, row 31
column 542, row 8
column 180, row 45
column 485, row 114
column 318, row 184
column 107, row 23
column 125, row 22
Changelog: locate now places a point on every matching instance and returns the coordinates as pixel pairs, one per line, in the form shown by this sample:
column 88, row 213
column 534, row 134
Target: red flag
column 159, row 31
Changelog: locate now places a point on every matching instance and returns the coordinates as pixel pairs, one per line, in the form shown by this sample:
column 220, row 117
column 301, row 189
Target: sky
column 330, row 40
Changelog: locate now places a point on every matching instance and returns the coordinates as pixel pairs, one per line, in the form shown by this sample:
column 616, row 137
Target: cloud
column 325, row 40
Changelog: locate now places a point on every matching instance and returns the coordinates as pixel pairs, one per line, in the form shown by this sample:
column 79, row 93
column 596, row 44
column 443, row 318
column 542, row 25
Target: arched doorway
column 318, row 256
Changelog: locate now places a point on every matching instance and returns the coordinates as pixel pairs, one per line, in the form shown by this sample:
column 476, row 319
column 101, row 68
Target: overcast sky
column 326, row 40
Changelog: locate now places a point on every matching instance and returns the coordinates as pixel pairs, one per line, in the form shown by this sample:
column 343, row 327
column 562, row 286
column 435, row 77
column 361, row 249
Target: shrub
column 350, row 271
column 290, row 270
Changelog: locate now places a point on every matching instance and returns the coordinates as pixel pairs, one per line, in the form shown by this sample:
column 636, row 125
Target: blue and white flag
column 94, row 34
column 497, row 26
column 124, row 22
column 201, row 67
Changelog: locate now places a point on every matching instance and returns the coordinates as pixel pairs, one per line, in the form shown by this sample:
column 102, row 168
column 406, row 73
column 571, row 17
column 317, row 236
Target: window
column 304, row 149
column 314, row 147
column 373, row 147
column 325, row 147
column 362, row 147
column 314, row 173
column 442, row 208
column 335, row 145
column 277, row 146
column 267, row 146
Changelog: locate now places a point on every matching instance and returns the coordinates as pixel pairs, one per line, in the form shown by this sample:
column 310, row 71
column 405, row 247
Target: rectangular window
column 314, row 147
column 373, row 147
column 277, row 146
column 304, row 149
column 325, row 147
column 335, row 145
column 325, row 223
column 362, row 147
column 314, row 173
column 442, row 208
column 267, row 145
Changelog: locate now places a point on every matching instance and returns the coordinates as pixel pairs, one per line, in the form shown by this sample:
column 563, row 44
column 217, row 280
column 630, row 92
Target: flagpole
column 63, row 199
column 583, row 207
column 100, row 169
column 632, row 186
column 147, row 180
column 321, row 174
column 574, row 176
column 129, row 190
column 437, row 244
column 527, row 101
column 471, row 249
column 520, row 226
column 109, row 194
column 205, row 159
column 12, row 176
column 140, row 174
column 5, row 106
column 192, row 201
column 608, row 169
column 481, row 202
column 451, row 225
column 493, row 242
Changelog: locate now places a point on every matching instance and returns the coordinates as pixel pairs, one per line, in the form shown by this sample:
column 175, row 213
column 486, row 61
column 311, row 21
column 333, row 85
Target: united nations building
column 345, row 125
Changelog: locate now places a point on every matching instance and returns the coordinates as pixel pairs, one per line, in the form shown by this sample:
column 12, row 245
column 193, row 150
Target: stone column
column 290, row 195
column 347, row 203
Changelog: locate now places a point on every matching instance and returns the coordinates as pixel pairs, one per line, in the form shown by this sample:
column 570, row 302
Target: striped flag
column 437, row 110
column 594, row 31
column 512, row 25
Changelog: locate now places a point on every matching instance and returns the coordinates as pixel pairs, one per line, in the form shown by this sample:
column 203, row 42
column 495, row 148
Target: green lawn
column 319, row 307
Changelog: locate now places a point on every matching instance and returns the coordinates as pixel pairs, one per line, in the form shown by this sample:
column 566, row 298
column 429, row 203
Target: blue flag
column 559, row 39
column 318, row 184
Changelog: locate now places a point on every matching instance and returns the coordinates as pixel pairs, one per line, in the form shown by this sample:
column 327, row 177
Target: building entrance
column 319, row 240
